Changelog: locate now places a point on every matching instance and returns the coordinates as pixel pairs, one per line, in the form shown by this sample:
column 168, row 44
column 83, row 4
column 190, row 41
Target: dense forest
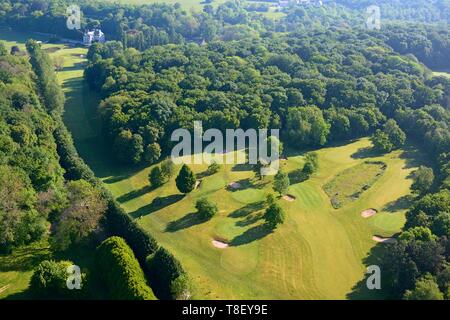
column 144, row 26
column 316, row 74
column 345, row 87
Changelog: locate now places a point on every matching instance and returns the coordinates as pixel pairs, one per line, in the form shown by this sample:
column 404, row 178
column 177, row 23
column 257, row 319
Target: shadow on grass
column 360, row 291
column 413, row 158
column 189, row 220
column 250, row 219
column 242, row 167
column 135, row 194
column 24, row 259
column 401, row 203
column 157, row 204
column 297, row 176
column 366, row 152
column 246, row 210
column 252, row 234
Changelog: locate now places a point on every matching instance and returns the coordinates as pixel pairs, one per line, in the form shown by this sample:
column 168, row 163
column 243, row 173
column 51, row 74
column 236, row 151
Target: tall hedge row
column 121, row 271
column 118, row 222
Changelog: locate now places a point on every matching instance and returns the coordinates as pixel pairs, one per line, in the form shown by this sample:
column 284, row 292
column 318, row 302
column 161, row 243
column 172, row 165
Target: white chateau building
column 95, row 35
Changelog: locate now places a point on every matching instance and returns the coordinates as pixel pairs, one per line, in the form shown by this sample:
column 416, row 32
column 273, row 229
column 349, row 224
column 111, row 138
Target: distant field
column 196, row 5
column 187, row 4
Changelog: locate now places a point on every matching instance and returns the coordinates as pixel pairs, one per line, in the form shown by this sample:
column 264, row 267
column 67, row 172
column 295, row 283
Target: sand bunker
column 220, row 244
column 197, row 184
column 368, row 213
column 289, row 197
column 235, row 185
column 384, row 240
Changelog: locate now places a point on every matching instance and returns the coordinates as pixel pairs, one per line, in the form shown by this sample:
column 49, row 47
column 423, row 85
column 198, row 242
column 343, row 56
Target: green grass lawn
column 316, row 254
column 16, row 269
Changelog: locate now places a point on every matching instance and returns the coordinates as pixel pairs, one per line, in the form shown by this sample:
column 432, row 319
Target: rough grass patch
column 351, row 183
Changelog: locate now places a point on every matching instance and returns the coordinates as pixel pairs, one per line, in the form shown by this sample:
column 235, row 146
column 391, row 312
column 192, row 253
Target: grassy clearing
column 348, row 185
column 16, row 269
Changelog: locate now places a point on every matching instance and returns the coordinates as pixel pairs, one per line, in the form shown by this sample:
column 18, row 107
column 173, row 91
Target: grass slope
column 316, row 254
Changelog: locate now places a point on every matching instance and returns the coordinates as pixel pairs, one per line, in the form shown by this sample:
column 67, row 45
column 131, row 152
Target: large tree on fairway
column 185, row 180
column 274, row 215
column 281, row 183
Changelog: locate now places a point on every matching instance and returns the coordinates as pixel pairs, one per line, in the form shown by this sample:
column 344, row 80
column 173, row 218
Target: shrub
column 206, row 209
column 156, row 177
column 49, row 280
column 163, row 269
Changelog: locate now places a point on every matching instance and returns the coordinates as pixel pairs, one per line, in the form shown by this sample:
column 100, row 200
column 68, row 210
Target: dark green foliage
column 152, row 153
column 206, row 209
column 381, row 142
column 185, row 180
column 128, row 147
column 121, row 271
column 274, row 215
column 48, row 84
column 390, row 138
column 423, row 179
column 163, row 269
column 213, row 168
column 75, row 168
column 182, row 288
column 426, row 288
column 306, row 127
column 156, row 177
column 120, row 224
column 441, row 225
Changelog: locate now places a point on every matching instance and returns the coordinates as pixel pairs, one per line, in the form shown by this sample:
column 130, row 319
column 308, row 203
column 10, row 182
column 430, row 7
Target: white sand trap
column 368, row 213
column 220, row 244
column 289, row 197
column 384, row 240
column 197, row 184
column 235, row 185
